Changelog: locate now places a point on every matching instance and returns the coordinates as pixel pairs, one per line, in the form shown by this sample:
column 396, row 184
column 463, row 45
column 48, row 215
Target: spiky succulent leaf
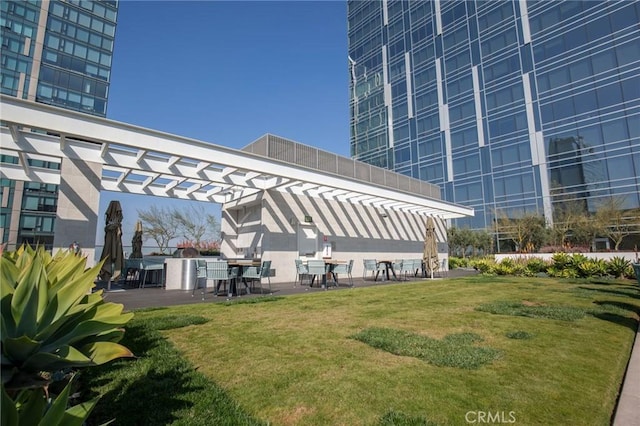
column 8, row 410
column 47, row 327
column 55, row 414
column 111, row 336
column 31, row 408
column 101, row 324
column 97, row 319
column 21, row 347
column 24, row 304
column 103, row 352
column 78, row 414
column 64, row 357
column 73, row 292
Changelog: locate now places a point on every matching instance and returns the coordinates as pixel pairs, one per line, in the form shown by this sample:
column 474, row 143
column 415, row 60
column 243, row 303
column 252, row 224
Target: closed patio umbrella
column 136, row 243
column 430, row 253
column 112, row 250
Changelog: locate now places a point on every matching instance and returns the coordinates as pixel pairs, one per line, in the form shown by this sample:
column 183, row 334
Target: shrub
column 576, row 260
column 536, row 265
column 504, row 268
column 458, row 262
column 630, row 273
column 587, row 269
column 484, row 266
column 520, row 269
column 566, row 272
column 560, row 260
column 51, row 322
column 617, row 266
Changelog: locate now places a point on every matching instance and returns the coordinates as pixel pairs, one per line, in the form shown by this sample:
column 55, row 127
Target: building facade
column 511, row 107
column 59, row 53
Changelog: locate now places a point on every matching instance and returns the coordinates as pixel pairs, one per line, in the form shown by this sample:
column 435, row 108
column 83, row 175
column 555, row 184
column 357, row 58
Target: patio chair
column 155, row 266
column 444, row 270
column 317, row 269
column 220, row 273
column 397, row 266
column 371, row 265
column 410, row 268
column 259, row 272
column 132, row 272
column 201, row 275
column 343, row 268
column 301, row 272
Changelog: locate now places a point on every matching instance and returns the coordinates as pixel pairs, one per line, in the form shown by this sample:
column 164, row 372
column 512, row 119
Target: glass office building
column 511, row 107
column 58, row 53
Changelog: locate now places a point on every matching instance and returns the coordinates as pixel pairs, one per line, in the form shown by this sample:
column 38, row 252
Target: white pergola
column 142, row 161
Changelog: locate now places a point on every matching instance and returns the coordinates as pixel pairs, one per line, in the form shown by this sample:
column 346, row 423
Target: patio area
column 151, row 297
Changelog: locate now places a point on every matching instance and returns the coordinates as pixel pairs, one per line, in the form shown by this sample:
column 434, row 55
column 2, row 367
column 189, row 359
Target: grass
column 454, row 350
column 295, row 361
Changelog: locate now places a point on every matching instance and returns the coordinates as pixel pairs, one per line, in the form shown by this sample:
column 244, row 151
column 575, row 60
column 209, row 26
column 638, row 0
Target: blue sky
column 227, row 72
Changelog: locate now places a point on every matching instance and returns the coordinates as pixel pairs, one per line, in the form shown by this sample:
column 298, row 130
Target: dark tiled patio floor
column 135, row 298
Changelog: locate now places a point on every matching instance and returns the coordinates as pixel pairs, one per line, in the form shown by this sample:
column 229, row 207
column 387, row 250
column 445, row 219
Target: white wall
column 354, row 231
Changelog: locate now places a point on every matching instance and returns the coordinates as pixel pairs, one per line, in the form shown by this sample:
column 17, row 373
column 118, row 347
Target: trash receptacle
column 188, row 275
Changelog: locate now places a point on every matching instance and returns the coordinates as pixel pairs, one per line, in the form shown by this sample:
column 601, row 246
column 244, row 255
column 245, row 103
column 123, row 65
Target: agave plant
column 51, row 320
column 617, row 266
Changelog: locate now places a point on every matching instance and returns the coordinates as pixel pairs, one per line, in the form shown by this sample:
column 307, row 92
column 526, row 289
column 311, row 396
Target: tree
column 484, row 241
column 195, row 224
column 528, row 231
column 565, row 217
column 461, row 239
column 160, row 225
column 586, row 229
column 617, row 222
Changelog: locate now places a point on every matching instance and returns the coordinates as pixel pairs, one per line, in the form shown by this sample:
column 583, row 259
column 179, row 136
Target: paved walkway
column 628, row 409
column 627, row 412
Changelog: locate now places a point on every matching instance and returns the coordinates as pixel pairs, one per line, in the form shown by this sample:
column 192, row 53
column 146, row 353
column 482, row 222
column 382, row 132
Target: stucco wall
column 354, row 231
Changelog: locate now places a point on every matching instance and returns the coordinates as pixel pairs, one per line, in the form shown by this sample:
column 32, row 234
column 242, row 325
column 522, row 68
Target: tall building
column 511, row 107
column 58, row 53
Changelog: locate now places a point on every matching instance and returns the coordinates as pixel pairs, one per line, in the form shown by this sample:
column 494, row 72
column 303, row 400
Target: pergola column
column 78, row 204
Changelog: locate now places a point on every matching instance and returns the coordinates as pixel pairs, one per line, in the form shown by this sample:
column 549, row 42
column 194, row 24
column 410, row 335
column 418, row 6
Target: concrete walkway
column 627, row 412
column 628, row 409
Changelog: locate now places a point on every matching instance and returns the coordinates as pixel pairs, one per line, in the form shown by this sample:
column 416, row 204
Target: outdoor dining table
column 388, row 266
column 241, row 264
column 332, row 263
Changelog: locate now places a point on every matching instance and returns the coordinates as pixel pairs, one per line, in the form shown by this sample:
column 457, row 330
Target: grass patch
column 253, row 300
column 519, row 335
column 393, row 418
column 556, row 312
column 160, row 386
column 294, row 363
column 168, row 322
column 452, row 351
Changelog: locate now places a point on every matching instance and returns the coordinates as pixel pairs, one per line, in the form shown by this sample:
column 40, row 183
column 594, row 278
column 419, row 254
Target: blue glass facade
column 58, row 53
column 509, row 106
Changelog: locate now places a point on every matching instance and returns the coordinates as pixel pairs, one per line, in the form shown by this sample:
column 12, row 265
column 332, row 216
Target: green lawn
column 535, row 350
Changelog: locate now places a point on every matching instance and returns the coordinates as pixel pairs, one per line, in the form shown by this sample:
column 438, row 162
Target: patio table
column 388, row 265
column 242, row 264
column 331, row 263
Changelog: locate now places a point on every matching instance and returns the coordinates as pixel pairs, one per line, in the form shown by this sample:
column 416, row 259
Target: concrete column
column 78, row 203
column 16, row 206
